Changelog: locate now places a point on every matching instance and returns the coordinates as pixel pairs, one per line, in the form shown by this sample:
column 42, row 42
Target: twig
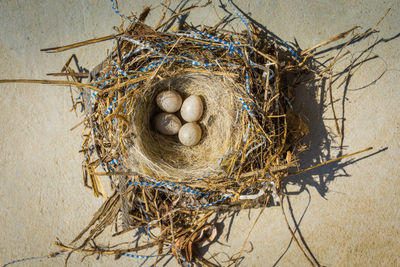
column 79, row 44
column 186, row 10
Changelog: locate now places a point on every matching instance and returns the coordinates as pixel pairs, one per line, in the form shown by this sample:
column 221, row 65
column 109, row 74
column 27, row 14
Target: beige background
column 352, row 210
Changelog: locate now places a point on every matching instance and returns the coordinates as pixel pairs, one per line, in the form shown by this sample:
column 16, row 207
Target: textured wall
column 349, row 212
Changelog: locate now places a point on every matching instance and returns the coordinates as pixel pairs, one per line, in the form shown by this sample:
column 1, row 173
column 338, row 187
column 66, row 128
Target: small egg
column 192, row 108
column 169, row 101
column 190, row 134
column 167, row 124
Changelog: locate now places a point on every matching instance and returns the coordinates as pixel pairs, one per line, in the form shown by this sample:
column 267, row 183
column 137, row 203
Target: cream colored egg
column 169, row 101
column 192, row 108
column 167, row 124
column 190, row 134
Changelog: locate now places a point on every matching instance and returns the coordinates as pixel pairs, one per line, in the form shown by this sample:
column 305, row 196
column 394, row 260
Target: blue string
column 24, row 259
column 243, row 20
column 247, row 83
column 119, row 69
column 118, row 12
column 165, row 184
column 216, row 39
column 223, row 44
column 231, row 45
column 135, row 256
column 272, row 75
column 102, row 164
column 291, row 51
column 185, row 261
column 165, row 58
column 138, row 256
column 212, row 203
column 206, row 46
column 247, row 107
column 89, row 151
column 79, row 97
column 227, row 45
column 289, row 103
column 109, row 109
column 32, row 258
column 114, row 162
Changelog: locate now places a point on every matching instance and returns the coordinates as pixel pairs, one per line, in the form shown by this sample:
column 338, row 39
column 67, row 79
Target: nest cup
column 164, row 156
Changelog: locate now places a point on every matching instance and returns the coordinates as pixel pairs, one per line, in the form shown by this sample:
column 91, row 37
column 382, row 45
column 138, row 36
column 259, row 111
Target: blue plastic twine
column 32, row 258
column 118, row 12
column 243, row 20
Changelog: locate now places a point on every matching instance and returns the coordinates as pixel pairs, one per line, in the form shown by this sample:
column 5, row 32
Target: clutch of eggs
column 191, row 111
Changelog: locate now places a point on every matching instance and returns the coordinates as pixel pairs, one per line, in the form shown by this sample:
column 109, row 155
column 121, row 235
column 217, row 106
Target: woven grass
column 249, row 131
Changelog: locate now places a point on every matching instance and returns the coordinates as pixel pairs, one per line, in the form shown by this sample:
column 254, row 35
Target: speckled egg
column 167, row 124
column 192, row 108
column 190, row 134
column 169, row 101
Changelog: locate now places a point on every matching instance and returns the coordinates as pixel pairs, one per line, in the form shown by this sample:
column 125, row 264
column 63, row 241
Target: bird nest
column 250, row 133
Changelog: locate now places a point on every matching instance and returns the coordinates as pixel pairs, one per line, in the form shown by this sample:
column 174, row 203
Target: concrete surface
column 349, row 213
